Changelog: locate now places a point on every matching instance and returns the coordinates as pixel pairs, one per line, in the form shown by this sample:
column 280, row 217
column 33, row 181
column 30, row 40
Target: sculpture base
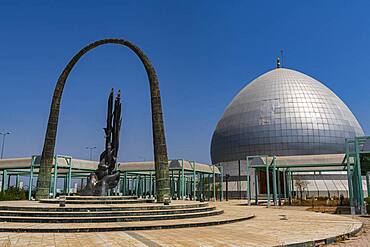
column 102, row 186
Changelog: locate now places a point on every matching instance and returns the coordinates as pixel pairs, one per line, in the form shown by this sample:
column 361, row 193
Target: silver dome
column 283, row 112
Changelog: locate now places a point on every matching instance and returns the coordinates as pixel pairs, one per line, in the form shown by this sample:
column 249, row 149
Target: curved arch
column 159, row 140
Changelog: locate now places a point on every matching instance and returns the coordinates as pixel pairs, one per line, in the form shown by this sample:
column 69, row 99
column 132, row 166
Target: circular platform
column 91, row 214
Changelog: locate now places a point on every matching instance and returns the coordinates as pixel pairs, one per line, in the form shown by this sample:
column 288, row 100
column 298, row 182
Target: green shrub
column 319, row 202
column 346, row 202
column 367, row 200
column 13, row 194
column 322, row 198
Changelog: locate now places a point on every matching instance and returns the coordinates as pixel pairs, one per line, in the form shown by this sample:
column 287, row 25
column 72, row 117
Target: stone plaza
column 266, row 227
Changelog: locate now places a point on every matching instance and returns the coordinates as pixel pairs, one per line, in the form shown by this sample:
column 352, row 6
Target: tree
column 301, row 185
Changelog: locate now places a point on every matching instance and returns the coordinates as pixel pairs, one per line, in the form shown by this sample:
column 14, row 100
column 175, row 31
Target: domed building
column 283, row 113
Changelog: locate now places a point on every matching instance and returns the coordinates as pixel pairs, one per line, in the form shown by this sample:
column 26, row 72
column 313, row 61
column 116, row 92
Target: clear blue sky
column 204, row 53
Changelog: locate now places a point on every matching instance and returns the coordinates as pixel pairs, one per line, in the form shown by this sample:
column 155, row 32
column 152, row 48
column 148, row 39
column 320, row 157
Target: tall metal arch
column 159, row 140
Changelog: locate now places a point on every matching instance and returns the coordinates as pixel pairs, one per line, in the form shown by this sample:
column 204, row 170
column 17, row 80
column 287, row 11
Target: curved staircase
column 99, row 200
column 114, row 213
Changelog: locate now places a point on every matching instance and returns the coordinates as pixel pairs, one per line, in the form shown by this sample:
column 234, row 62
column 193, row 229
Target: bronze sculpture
column 106, row 177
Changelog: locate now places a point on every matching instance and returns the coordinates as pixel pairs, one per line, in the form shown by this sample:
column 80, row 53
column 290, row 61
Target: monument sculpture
column 162, row 178
column 106, row 176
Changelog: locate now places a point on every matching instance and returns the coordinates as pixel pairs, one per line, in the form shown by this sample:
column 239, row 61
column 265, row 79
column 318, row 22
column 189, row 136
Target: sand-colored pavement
column 269, row 227
column 362, row 239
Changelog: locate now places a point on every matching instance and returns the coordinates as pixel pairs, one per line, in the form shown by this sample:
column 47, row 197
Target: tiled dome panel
column 283, row 112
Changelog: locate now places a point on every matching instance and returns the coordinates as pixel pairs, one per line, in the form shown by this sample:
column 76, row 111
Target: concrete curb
column 329, row 240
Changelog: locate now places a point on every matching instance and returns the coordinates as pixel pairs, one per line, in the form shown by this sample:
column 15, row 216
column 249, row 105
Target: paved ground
column 270, row 227
column 362, row 239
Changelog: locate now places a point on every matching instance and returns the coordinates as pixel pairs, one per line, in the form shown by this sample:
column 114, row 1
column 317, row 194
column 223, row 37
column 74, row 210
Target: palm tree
column 159, row 140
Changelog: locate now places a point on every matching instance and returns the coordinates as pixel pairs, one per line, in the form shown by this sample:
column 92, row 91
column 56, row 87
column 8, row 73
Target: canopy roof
column 319, row 162
column 79, row 165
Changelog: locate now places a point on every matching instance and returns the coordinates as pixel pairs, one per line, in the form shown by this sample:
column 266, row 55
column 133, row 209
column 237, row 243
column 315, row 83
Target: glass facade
column 283, row 112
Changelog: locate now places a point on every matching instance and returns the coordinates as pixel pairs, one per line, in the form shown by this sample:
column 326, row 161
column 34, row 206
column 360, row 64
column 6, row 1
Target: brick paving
column 270, row 227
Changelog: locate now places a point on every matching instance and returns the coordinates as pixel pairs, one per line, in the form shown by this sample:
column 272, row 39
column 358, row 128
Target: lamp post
column 2, row 146
column 90, row 151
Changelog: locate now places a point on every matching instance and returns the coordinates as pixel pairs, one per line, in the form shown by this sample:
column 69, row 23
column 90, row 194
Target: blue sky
column 204, row 53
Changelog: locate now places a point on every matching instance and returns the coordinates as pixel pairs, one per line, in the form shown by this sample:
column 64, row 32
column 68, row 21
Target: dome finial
column 278, row 63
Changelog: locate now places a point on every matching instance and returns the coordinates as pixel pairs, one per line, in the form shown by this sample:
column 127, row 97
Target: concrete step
column 97, row 208
column 99, row 201
column 225, row 218
column 71, row 198
column 108, row 219
column 105, row 213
